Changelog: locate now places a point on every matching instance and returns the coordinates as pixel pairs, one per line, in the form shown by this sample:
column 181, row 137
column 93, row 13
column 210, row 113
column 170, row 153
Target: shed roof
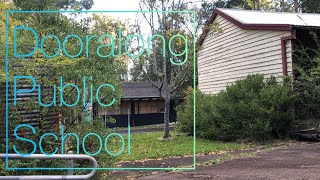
column 132, row 90
column 263, row 17
column 262, row 20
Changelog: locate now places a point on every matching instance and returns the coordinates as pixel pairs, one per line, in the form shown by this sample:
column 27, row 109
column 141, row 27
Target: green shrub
column 307, row 85
column 255, row 108
column 49, row 144
column 204, row 114
column 92, row 145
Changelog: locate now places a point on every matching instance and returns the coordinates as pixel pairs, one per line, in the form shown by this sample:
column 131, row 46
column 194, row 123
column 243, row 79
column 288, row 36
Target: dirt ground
column 297, row 161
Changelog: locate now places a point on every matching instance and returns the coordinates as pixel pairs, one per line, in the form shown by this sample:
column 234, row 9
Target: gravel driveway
column 298, row 161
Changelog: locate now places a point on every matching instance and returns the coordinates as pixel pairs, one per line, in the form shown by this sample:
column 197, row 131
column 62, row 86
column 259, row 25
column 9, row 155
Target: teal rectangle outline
column 110, row 11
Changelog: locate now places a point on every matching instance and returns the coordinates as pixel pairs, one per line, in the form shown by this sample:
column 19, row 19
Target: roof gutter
column 284, row 51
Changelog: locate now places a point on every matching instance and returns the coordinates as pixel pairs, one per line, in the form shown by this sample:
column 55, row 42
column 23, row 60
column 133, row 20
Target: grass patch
column 148, row 146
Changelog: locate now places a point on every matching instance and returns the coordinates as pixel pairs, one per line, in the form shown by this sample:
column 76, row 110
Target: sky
column 123, row 5
column 117, row 5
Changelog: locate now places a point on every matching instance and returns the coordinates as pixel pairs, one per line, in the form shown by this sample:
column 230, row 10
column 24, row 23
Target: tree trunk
column 282, row 5
column 296, row 6
column 166, row 118
column 258, row 5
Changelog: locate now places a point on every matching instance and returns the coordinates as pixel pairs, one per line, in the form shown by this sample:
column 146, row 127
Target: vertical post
column 129, row 138
column 139, row 106
column 105, row 119
column 128, row 116
column 70, row 165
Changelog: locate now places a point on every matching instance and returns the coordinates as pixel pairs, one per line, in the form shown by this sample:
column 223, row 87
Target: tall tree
column 310, row 6
column 170, row 68
column 282, row 5
column 47, row 71
column 305, row 6
column 103, row 70
column 296, row 5
column 260, row 5
column 53, row 4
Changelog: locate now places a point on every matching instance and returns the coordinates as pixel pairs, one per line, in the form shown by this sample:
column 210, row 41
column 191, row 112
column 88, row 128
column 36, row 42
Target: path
column 298, row 161
column 179, row 162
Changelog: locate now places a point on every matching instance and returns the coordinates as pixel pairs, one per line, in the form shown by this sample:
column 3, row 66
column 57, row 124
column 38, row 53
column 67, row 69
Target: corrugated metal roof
column 261, row 17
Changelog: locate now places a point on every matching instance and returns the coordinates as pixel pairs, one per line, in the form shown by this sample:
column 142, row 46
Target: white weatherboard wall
column 234, row 53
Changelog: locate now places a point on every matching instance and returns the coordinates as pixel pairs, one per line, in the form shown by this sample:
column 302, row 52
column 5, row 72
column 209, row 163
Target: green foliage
column 209, row 5
column 48, row 70
column 307, row 81
column 310, row 6
column 148, row 146
column 255, row 108
column 53, row 4
column 49, row 145
column 92, row 145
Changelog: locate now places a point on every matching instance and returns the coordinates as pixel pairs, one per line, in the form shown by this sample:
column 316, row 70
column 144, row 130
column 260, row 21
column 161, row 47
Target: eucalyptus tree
column 53, row 4
column 168, row 65
column 51, row 62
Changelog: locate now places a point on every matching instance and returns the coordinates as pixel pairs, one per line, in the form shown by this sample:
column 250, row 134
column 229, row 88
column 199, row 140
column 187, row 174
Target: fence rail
column 50, row 177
